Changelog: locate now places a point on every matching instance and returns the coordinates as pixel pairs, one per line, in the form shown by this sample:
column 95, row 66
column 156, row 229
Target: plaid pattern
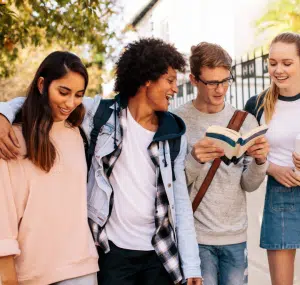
column 163, row 240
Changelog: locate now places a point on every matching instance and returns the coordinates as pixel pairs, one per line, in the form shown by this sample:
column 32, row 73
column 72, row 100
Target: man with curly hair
column 138, row 202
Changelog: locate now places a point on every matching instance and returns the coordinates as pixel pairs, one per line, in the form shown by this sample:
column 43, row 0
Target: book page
column 233, row 144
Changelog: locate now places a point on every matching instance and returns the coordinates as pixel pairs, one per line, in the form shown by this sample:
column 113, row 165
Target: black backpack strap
column 252, row 106
column 174, row 145
column 100, row 118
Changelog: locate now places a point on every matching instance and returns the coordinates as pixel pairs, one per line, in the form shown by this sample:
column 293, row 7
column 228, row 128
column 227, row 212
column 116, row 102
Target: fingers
column 2, row 156
column 296, row 160
column 289, row 179
column 6, row 153
column 10, row 149
column 13, row 137
column 8, row 140
column 260, row 149
column 205, row 150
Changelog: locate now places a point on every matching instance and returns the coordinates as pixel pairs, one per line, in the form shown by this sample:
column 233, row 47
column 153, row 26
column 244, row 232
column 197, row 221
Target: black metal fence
column 250, row 78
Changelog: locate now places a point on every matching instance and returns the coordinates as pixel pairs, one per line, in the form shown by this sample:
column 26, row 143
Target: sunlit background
column 98, row 30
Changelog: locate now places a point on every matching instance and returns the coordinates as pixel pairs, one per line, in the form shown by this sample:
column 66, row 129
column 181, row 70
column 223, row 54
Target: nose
column 221, row 89
column 278, row 68
column 175, row 88
column 70, row 103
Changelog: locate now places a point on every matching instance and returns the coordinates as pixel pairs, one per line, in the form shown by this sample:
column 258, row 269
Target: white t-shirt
column 283, row 130
column 131, row 224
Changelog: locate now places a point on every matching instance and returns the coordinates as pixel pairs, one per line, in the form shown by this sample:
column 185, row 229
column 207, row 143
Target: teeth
column 65, row 111
column 169, row 97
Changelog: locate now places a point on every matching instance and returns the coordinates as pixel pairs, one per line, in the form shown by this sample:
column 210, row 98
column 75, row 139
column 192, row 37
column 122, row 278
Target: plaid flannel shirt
column 163, row 240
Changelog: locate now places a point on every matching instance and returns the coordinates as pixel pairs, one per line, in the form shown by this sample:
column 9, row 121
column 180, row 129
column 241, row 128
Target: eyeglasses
column 215, row 84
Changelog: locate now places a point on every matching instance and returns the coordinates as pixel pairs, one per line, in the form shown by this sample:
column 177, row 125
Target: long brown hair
column 272, row 93
column 36, row 114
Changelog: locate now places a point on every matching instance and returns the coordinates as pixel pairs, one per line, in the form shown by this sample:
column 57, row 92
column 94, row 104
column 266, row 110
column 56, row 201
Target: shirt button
column 169, row 185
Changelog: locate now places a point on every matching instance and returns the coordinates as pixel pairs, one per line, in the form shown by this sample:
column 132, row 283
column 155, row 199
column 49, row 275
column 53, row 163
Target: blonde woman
column 279, row 107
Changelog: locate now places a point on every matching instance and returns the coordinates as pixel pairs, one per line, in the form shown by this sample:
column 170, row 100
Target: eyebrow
column 68, row 89
column 282, row 59
column 212, row 81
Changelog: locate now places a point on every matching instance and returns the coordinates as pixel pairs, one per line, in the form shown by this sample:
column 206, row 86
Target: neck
column 205, row 107
column 142, row 112
column 289, row 92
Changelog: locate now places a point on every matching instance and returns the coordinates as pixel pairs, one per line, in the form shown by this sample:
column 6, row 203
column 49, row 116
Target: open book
column 233, row 143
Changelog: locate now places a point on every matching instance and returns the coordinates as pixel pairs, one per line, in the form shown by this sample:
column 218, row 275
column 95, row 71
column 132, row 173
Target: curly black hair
column 144, row 60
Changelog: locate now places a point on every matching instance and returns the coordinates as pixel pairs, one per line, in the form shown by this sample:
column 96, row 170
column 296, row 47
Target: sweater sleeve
column 193, row 168
column 13, row 193
column 253, row 174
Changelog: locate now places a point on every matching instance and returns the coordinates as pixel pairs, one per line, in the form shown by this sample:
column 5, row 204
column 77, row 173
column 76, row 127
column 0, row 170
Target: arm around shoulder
column 11, row 108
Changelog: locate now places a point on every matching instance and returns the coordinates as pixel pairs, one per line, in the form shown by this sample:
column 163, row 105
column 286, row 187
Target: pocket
column 282, row 199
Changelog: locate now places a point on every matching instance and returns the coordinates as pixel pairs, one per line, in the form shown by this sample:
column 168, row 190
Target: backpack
column 253, row 105
column 101, row 116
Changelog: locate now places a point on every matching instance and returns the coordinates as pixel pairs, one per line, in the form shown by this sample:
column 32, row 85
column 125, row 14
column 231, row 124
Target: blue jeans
column 225, row 264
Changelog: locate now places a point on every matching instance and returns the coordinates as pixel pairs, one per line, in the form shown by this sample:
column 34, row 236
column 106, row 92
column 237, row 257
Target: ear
column 148, row 83
column 40, row 84
column 193, row 79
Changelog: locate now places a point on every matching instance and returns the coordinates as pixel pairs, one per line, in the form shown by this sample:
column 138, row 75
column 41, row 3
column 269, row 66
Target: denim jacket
column 100, row 190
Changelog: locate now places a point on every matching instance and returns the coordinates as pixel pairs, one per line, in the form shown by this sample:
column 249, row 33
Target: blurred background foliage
column 280, row 16
column 31, row 29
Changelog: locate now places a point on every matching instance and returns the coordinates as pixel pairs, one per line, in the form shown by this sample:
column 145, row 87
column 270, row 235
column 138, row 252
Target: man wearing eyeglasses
column 221, row 217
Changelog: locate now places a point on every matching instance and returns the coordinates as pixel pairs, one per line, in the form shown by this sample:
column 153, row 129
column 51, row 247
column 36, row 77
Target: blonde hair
column 272, row 93
column 209, row 55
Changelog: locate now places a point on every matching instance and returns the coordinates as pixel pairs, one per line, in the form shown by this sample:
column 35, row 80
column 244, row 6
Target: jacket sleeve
column 10, row 109
column 12, row 186
column 253, row 174
column 185, row 229
column 91, row 106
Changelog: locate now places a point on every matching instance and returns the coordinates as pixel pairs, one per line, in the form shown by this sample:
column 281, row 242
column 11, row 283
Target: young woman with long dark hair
column 44, row 233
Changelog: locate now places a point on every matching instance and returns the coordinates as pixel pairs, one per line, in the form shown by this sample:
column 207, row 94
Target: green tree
column 281, row 16
column 68, row 23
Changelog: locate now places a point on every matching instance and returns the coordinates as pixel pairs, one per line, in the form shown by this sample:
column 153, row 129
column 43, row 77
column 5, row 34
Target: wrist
column 260, row 161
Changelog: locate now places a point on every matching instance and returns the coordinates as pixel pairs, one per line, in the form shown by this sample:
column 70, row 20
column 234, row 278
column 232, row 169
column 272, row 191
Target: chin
column 161, row 108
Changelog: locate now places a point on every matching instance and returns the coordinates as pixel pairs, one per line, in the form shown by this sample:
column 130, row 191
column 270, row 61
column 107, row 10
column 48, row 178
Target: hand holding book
column 206, row 150
column 234, row 145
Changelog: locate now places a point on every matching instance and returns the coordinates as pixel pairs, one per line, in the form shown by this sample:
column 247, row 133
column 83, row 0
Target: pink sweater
column 43, row 216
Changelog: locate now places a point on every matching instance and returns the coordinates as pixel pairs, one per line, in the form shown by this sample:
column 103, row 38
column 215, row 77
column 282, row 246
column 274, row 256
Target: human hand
column 8, row 275
column 259, row 150
column 8, row 141
column 194, row 281
column 284, row 175
column 296, row 160
column 205, row 150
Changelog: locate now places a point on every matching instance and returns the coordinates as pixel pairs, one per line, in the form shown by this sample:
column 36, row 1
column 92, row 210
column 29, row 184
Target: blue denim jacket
column 99, row 188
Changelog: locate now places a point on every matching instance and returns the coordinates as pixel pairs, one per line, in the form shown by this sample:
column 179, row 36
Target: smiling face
column 211, row 99
column 65, row 94
column 284, row 67
column 159, row 92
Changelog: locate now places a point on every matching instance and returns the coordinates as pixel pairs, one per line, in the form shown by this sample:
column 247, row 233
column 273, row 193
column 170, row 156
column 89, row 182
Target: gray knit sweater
column 221, row 218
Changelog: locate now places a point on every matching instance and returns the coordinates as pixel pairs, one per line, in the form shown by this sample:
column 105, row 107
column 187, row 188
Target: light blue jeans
column 224, row 265
column 90, row 279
